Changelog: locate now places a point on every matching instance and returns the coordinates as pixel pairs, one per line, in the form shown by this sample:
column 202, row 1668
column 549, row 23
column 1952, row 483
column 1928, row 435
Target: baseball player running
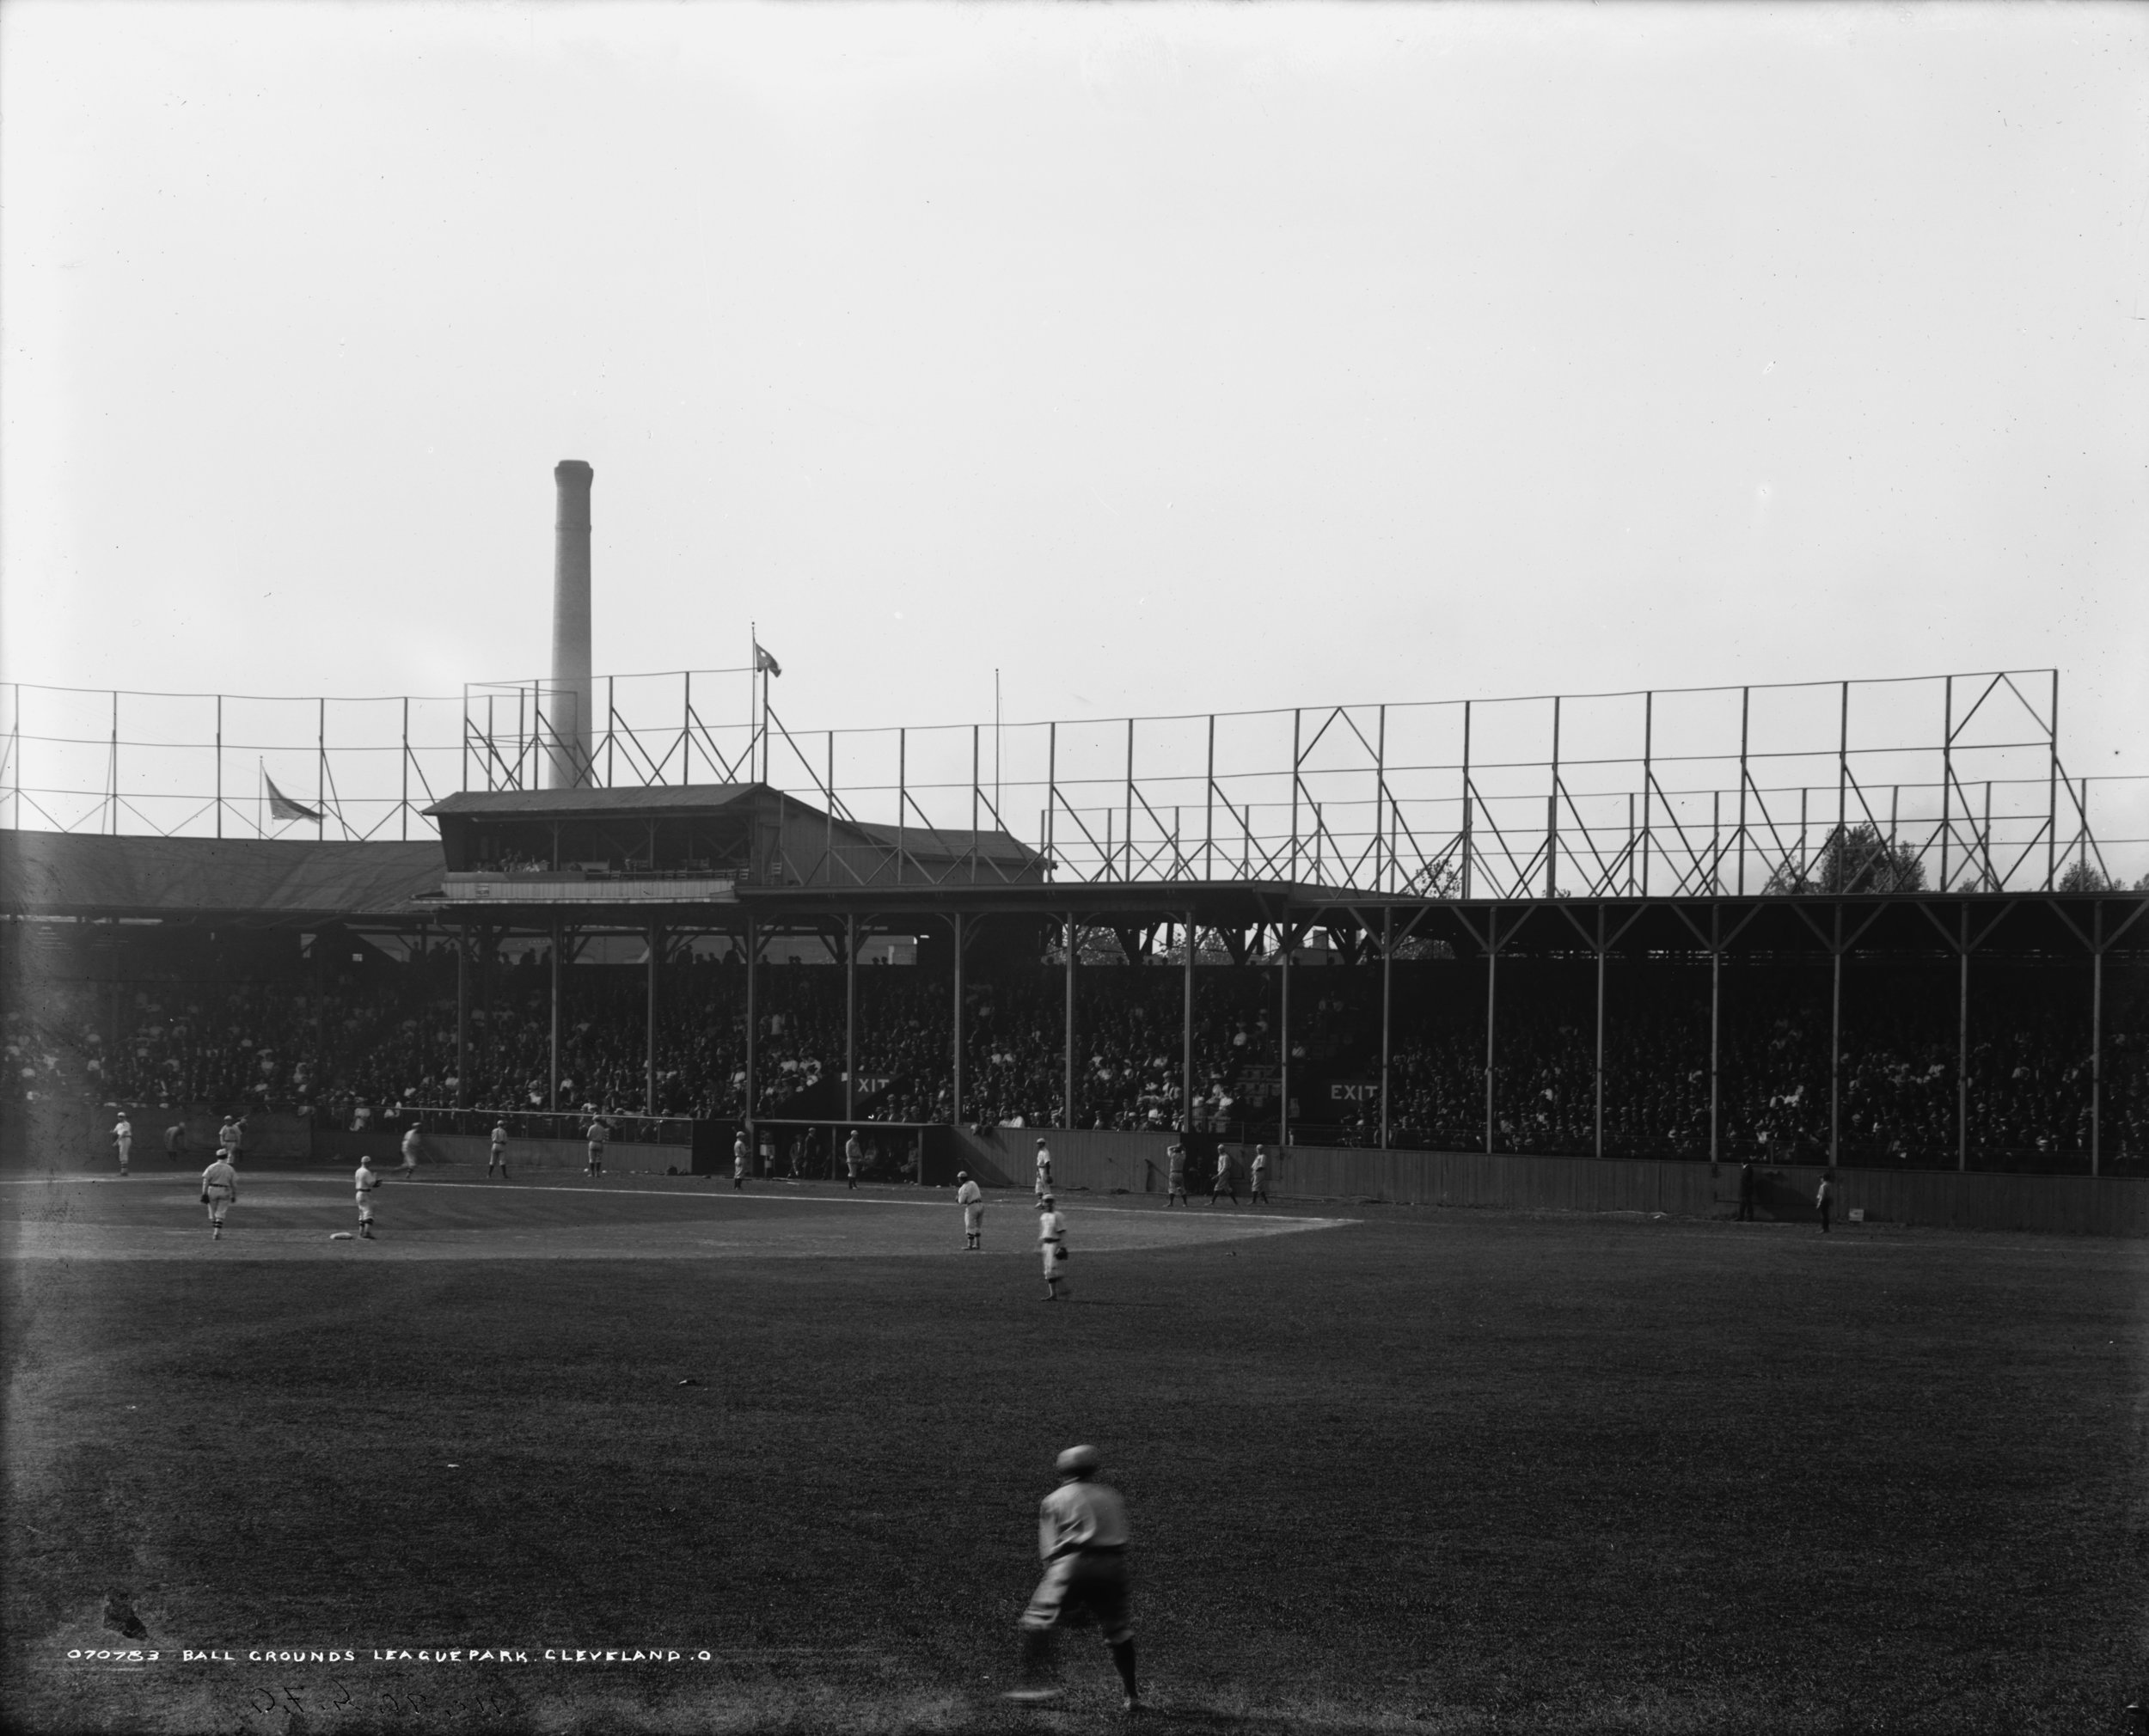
column 596, row 1134
column 1227, row 1179
column 497, row 1160
column 1082, row 1537
column 1176, row 1159
column 123, row 1137
column 367, row 1182
column 410, row 1148
column 220, row 1188
column 1052, row 1244
column 971, row 1198
column 1045, row 1168
column 1258, row 1195
column 738, row 1162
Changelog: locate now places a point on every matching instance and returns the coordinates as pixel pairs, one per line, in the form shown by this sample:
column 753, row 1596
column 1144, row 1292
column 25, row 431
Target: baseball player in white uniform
column 1175, row 1160
column 367, row 1182
column 1052, row 1244
column 1260, row 1194
column 1227, row 1179
column 854, row 1159
column 498, row 1159
column 738, row 1162
column 123, row 1137
column 596, row 1134
column 1045, row 1168
column 1082, row 1537
column 971, row 1198
column 410, row 1148
column 220, row 1188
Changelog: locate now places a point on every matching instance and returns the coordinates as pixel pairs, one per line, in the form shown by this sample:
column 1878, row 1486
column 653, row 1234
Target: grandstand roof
column 942, row 840
column 73, row 874
column 563, row 804
column 677, row 801
column 291, row 882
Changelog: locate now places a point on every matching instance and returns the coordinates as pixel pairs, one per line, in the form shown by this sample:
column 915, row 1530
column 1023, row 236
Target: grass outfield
column 1456, row 1471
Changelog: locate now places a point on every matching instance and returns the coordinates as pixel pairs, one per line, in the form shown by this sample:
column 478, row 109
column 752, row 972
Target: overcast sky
column 1166, row 358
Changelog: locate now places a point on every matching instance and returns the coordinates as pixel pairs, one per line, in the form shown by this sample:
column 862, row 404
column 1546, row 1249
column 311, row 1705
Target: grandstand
column 1861, row 923
column 551, row 951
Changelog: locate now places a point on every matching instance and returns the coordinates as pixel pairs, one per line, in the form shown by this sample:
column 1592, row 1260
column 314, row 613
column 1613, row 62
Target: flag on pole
column 764, row 664
column 281, row 807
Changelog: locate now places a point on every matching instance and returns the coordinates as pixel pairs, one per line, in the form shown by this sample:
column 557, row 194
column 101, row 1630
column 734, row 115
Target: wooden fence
column 1102, row 1162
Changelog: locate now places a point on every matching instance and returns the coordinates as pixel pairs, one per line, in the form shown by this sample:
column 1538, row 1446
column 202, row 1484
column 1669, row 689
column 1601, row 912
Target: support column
column 551, row 1089
column 1716, row 1046
column 1186, row 1030
column 1388, row 984
column 2096, row 1037
column 1599, row 1145
column 753, row 1035
column 462, row 1018
column 955, row 1107
column 1836, row 1041
column 656, row 951
column 1491, row 995
column 850, row 1017
column 1283, row 1038
column 321, row 996
column 1068, row 1112
column 1835, row 1037
column 1962, row 1048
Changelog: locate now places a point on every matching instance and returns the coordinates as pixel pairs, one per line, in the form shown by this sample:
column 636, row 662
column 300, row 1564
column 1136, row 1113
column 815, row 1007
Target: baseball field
column 648, row 1454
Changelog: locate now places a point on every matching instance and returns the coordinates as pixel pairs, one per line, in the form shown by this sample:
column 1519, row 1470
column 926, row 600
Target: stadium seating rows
column 371, row 1045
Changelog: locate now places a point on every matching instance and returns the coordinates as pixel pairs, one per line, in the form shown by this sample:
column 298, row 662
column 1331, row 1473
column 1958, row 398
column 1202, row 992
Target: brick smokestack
column 570, row 704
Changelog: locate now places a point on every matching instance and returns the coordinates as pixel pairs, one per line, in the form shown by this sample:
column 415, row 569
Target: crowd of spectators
column 367, row 1046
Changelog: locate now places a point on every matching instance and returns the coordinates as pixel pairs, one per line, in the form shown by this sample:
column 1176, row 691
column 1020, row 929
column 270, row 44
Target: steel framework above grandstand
column 1948, row 783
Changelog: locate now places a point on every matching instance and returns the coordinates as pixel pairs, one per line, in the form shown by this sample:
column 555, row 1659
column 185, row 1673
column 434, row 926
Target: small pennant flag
column 764, row 663
column 283, row 808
